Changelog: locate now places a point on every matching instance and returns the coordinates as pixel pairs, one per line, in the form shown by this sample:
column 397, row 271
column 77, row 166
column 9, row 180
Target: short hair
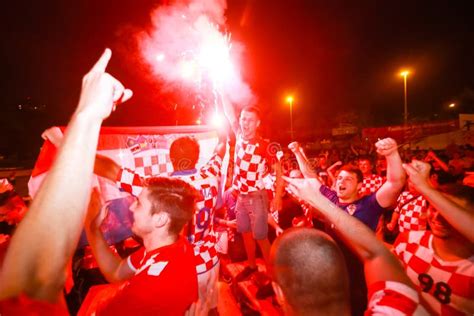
column 310, row 269
column 253, row 109
column 354, row 170
column 175, row 197
column 184, row 153
column 365, row 157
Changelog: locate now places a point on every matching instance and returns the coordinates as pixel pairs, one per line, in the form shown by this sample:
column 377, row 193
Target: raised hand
column 101, row 92
column 303, row 189
column 386, row 146
column 294, row 146
column 95, row 212
column 419, row 173
column 54, row 135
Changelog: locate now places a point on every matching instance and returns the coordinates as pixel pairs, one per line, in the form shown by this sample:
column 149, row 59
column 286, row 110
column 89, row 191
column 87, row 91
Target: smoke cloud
column 187, row 47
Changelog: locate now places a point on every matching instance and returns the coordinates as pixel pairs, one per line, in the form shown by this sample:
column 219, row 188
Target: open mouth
column 341, row 189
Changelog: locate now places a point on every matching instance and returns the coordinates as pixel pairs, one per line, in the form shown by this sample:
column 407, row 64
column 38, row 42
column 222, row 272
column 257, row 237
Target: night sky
column 339, row 58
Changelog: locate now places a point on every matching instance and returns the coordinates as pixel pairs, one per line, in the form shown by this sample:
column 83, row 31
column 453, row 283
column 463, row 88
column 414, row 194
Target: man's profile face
column 346, row 185
column 249, row 123
column 142, row 217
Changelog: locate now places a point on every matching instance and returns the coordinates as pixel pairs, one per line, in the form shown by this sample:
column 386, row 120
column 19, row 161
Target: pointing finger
column 103, row 61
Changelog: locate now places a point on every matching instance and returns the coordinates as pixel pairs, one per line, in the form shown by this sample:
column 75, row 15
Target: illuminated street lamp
column 289, row 100
column 405, row 74
column 452, row 105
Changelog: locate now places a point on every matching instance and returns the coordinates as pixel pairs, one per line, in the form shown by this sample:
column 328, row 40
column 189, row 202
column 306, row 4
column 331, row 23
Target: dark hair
column 184, row 153
column 354, row 170
column 175, row 197
column 252, row 109
column 365, row 157
column 310, row 269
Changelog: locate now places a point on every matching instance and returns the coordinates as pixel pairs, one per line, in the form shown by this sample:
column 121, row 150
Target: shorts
column 251, row 212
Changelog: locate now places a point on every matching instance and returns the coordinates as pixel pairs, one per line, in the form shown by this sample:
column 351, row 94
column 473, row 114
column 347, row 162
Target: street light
column 405, row 74
column 290, row 99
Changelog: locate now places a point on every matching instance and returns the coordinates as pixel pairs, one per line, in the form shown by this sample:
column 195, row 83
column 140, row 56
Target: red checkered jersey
column 165, row 283
column 252, row 161
column 413, row 211
column 393, row 298
column 152, row 165
column 447, row 286
column 201, row 234
column 371, row 184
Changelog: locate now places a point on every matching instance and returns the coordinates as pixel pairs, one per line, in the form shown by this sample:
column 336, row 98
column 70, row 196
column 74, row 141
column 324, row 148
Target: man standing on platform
column 252, row 159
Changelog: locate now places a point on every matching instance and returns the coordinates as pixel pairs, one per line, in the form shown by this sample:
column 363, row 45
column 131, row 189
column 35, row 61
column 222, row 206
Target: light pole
column 290, row 100
column 405, row 74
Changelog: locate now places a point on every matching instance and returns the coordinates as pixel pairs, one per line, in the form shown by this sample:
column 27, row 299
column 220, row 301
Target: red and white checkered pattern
column 413, row 212
column 130, row 181
column 393, row 298
column 448, row 286
column 153, row 165
column 252, row 162
column 201, row 234
column 206, row 253
column 371, row 184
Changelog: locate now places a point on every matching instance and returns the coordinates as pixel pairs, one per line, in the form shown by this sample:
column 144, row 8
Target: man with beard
column 441, row 261
column 159, row 278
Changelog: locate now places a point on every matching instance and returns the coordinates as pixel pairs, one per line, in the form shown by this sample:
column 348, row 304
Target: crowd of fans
column 382, row 229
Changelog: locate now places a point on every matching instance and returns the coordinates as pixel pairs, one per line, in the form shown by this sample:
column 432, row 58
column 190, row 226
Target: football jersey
column 371, row 184
column 252, row 161
column 393, row 298
column 413, row 212
column 367, row 209
column 165, row 283
column 447, row 286
column 202, row 234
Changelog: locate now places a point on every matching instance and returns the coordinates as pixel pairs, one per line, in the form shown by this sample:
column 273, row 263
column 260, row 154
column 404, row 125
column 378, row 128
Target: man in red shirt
column 160, row 278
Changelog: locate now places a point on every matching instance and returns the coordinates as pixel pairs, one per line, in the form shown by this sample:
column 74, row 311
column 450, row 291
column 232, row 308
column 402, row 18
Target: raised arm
column 229, row 113
column 379, row 263
column 330, row 170
column 114, row 268
column 459, row 217
column 388, row 193
column 103, row 165
column 303, row 162
column 45, row 240
column 221, row 132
